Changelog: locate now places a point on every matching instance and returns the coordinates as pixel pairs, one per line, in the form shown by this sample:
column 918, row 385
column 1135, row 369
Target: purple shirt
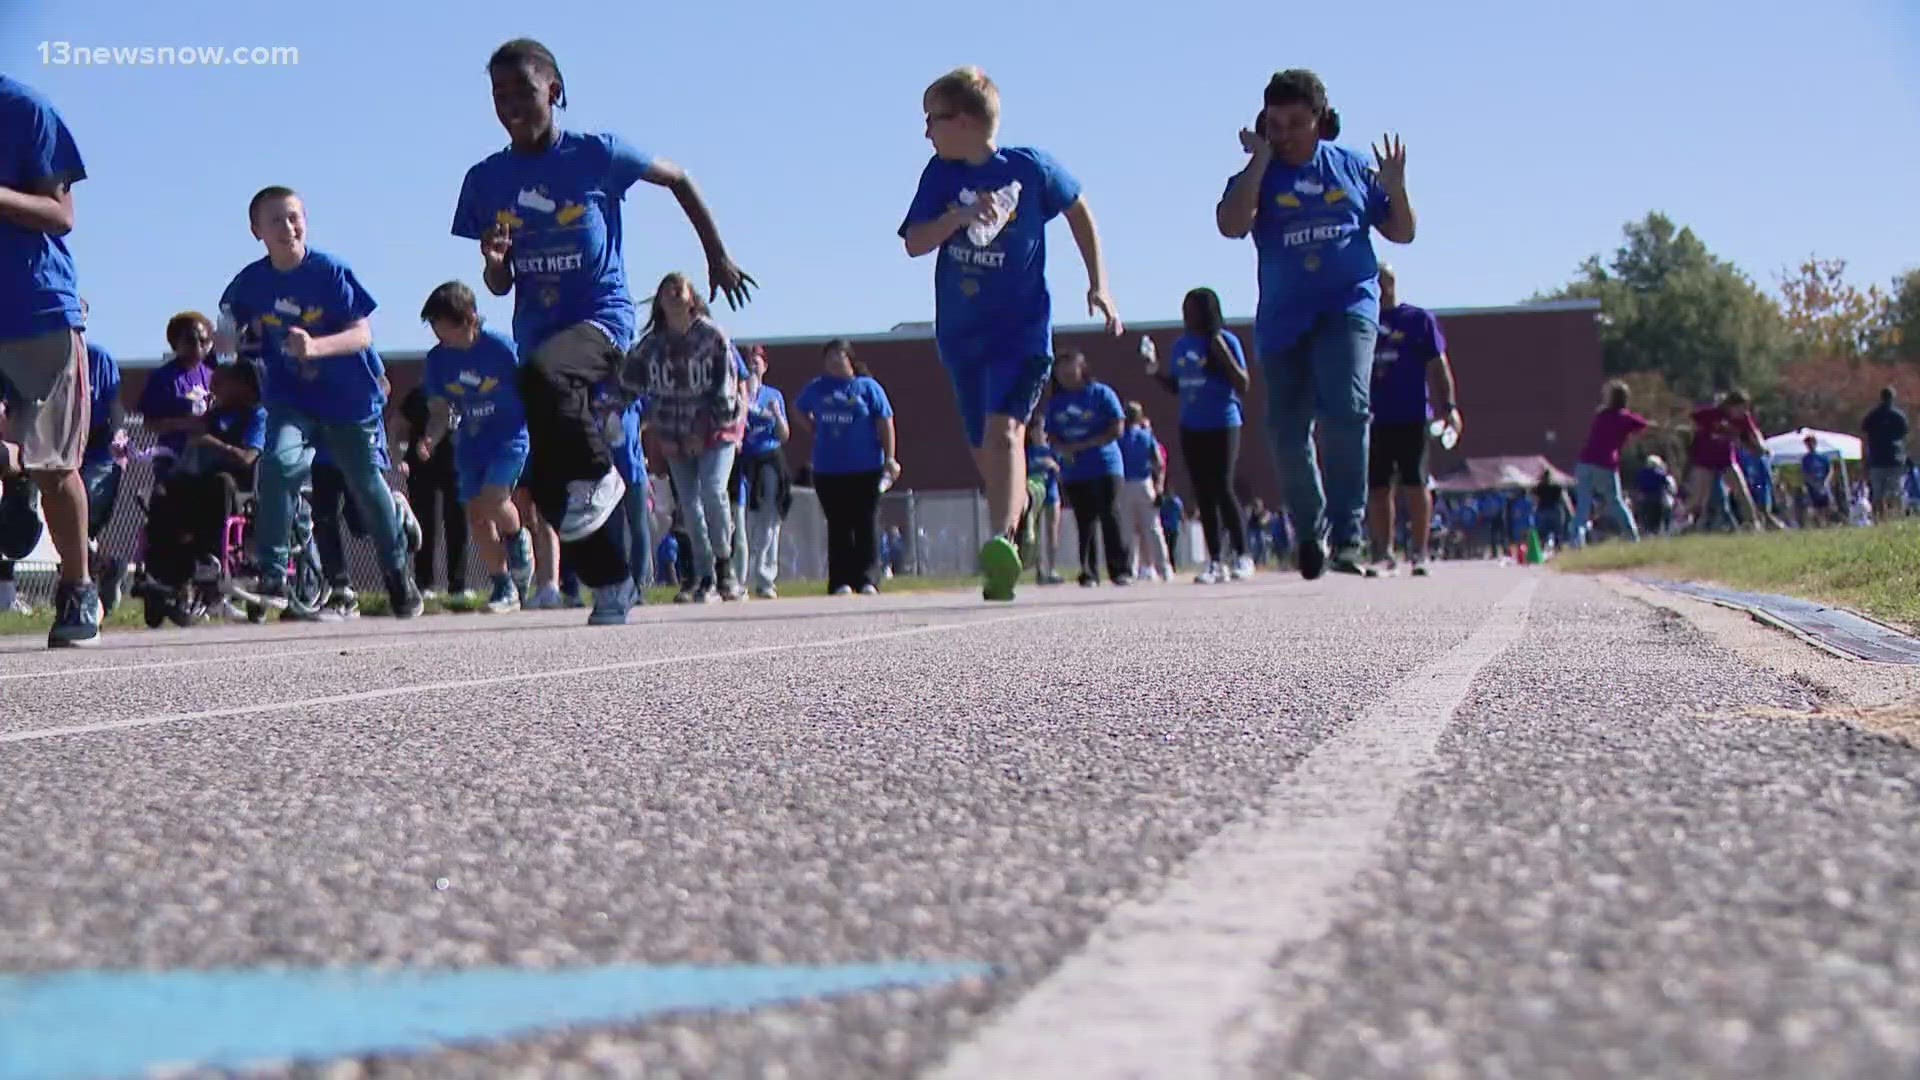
column 1409, row 340
column 174, row 392
column 1609, row 434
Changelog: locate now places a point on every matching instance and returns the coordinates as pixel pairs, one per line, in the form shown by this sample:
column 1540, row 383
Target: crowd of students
column 545, row 420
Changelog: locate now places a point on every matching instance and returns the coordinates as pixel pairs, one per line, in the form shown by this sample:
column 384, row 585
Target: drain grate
column 1836, row 629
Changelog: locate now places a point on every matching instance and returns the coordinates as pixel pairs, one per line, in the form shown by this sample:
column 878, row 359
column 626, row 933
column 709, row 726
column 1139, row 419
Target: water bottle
column 1147, row 351
column 1443, row 431
column 1005, row 199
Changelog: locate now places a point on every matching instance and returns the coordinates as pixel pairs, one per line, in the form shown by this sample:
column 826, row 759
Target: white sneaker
column 842, row 590
column 1210, row 575
column 11, row 600
column 589, row 504
column 547, row 599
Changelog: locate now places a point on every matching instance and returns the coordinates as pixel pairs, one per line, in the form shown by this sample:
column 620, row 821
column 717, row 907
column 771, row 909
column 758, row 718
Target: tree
column 1829, row 316
column 1668, row 305
column 1900, row 330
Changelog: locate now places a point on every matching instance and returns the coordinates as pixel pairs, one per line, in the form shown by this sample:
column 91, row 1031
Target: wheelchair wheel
column 307, row 588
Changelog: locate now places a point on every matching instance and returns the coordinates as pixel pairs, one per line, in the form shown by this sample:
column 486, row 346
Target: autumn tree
column 1829, row 316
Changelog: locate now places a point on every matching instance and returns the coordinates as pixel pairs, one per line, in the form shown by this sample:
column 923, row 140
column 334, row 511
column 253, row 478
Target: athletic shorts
column 995, row 385
column 1397, row 452
column 47, row 402
column 500, row 469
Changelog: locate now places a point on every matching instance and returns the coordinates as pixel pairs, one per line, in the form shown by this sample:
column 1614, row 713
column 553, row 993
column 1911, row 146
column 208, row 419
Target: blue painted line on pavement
column 106, row 1024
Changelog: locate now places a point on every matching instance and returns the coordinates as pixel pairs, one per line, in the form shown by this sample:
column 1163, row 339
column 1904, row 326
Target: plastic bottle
column 1005, row 199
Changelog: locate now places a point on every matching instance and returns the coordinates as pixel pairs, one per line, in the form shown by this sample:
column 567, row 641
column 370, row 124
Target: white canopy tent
column 1793, row 444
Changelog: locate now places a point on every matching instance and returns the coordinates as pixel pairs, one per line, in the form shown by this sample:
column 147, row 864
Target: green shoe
column 1000, row 564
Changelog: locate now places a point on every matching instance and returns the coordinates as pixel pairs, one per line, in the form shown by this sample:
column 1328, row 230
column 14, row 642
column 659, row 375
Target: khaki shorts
column 47, row 403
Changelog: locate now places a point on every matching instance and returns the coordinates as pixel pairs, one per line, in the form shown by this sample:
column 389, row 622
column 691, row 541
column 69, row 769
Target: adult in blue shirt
column 43, row 356
column 1209, row 372
column 546, row 212
column 763, row 469
column 1886, row 445
column 1311, row 207
column 853, row 448
column 1084, row 420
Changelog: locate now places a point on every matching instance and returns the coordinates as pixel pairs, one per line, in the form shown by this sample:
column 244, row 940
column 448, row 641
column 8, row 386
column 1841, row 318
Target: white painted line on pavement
column 159, row 665
column 503, row 680
column 1175, row 984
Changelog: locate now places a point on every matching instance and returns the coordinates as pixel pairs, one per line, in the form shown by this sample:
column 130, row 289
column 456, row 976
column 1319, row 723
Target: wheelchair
column 193, row 596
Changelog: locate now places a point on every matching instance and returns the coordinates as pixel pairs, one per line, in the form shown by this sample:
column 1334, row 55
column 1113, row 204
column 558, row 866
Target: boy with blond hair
column 985, row 209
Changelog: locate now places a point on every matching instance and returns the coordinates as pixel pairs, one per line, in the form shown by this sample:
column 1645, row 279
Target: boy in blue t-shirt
column 307, row 313
column 985, row 209
column 475, row 372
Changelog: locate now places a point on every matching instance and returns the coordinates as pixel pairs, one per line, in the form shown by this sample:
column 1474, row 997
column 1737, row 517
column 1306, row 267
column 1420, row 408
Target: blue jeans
column 103, row 490
column 287, row 464
column 1595, row 487
column 640, row 531
column 700, row 484
column 1323, row 379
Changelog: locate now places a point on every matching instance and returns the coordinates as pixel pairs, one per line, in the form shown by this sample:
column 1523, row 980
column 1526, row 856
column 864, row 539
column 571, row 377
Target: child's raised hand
column 496, row 244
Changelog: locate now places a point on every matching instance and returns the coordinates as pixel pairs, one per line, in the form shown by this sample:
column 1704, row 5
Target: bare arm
column 666, row 174
column 781, row 430
column 926, row 237
column 1229, row 368
column 1441, row 373
column 439, row 419
column 48, row 208
column 499, row 277
column 884, row 428
column 345, row 343
column 1399, row 226
column 1235, row 213
column 1086, row 235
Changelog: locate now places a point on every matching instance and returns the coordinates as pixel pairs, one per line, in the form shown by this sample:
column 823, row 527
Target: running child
column 986, row 208
column 546, row 213
column 475, row 372
column 308, row 313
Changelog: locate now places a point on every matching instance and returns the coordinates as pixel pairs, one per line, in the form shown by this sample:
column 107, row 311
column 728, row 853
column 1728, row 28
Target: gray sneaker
column 611, row 603
column 76, row 617
column 589, row 504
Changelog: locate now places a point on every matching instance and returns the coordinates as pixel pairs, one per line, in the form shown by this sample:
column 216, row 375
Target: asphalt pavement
column 1497, row 822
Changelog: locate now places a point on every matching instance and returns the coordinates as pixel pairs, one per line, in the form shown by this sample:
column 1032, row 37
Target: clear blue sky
column 1774, row 130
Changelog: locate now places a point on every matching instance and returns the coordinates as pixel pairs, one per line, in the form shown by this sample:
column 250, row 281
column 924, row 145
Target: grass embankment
column 1872, row 570
column 130, row 614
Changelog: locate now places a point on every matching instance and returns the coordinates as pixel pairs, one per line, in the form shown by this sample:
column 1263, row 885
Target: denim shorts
column 501, row 468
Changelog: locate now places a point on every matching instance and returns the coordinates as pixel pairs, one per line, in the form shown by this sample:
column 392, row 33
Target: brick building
column 1529, row 378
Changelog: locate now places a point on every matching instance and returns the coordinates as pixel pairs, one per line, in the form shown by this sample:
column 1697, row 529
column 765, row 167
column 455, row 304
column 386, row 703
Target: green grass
column 1873, row 570
column 129, row 615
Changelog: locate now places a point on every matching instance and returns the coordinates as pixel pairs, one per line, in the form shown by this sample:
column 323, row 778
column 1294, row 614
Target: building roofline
column 923, row 331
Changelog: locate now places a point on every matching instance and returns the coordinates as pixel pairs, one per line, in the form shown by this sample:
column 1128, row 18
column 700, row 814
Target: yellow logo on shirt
column 1287, row 199
column 509, row 219
column 569, row 213
column 311, row 315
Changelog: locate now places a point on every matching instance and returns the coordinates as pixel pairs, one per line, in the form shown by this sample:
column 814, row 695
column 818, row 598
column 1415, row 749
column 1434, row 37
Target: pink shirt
column 1609, row 434
column 1715, row 435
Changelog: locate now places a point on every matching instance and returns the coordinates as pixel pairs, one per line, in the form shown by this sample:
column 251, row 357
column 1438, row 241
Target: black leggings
column 851, row 504
column 556, row 385
column 1212, row 457
column 433, row 490
column 1093, row 515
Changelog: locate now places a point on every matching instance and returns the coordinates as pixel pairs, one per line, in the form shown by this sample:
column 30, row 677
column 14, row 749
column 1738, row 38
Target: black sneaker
column 76, row 617
column 1313, row 559
column 1350, row 560
column 403, row 596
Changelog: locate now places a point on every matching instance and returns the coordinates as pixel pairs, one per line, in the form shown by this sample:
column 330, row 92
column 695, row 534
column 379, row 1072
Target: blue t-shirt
column 1139, row 453
column 763, row 436
column 1207, row 401
column 482, row 386
column 843, row 413
column 991, row 301
column 1312, row 232
column 1410, row 339
column 1037, row 457
column 323, row 297
column 243, row 426
column 1816, row 468
column 1077, row 415
column 562, row 209
column 103, row 382
column 1758, row 469
column 39, row 291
